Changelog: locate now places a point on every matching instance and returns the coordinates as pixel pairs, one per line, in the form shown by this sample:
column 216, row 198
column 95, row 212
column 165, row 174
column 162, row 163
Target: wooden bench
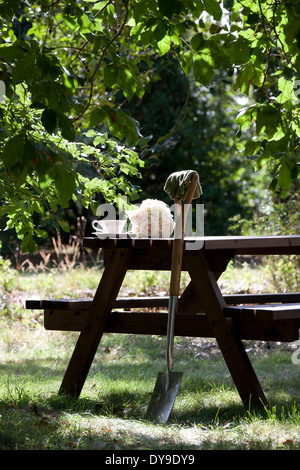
column 266, row 317
column 138, row 302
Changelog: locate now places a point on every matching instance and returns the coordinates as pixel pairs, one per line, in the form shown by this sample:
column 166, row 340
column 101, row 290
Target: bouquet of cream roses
column 153, row 219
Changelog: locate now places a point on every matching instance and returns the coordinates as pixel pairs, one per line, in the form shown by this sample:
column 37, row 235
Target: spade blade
column 163, row 397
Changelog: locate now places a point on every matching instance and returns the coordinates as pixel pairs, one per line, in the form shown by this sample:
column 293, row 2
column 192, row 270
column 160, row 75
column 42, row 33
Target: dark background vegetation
column 190, row 125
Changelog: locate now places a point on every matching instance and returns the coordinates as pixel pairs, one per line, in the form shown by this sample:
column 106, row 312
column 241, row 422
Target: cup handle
column 96, row 224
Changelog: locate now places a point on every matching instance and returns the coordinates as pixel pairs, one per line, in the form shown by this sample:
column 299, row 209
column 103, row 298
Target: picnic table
column 203, row 311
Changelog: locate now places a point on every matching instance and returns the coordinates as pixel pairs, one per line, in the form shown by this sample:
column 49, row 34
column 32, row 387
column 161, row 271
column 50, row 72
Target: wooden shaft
column 180, row 218
column 177, row 250
column 190, row 194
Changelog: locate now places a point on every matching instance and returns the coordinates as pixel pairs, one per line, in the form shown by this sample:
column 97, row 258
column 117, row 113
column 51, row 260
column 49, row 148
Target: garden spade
column 167, row 383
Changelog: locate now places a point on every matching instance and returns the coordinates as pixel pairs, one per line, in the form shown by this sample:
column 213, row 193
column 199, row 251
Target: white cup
column 108, row 226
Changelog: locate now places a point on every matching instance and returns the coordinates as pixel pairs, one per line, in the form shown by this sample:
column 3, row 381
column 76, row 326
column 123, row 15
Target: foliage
column 204, row 137
column 7, row 276
column 278, row 216
column 269, row 58
column 65, row 134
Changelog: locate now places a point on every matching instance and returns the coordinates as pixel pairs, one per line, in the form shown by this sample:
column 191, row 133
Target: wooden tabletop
column 274, row 244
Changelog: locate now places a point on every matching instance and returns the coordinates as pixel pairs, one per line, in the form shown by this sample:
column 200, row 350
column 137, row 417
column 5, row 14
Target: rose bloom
column 153, row 219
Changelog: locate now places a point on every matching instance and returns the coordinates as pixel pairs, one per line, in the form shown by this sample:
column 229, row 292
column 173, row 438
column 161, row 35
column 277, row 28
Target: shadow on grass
column 206, row 394
column 114, row 400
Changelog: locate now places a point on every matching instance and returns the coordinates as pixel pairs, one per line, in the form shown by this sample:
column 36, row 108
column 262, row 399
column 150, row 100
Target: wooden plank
column 267, row 330
column 137, row 243
column 254, row 245
column 190, row 325
column 243, row 245
column 34, row 304
column 85, row 304
column 142, row 302
column 65, row 320
column 266, row 312
column 210, row 242
column 269, row 250
column 236, row 242
column 157, row 258
column 262, row 298
column 252, row 242
column 67, row 304
column 189, row 301
column 294, row 241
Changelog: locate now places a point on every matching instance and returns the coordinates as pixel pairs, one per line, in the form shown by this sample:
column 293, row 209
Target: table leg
column 90, row 337
column 230, row 344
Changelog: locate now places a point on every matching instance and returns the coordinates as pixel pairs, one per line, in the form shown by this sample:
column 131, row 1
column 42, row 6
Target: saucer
column 103, row 235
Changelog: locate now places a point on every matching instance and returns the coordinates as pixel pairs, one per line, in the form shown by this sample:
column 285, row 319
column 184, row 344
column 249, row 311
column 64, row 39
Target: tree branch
column 87, row 42
column 92, row 79
column 268, row 53
column 51, row 4
column 278, row 37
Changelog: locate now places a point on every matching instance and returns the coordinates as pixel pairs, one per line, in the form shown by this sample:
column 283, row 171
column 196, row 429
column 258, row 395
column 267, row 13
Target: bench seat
column 140, row 302
column 266, row 312
column 85, row 304
column 265, row 322
column 234, row 299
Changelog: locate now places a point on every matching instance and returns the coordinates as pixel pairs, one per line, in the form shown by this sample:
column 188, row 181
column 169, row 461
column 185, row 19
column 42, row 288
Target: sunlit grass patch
column 110, row 413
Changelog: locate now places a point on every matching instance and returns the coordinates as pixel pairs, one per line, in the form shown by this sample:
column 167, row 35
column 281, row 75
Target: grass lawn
column 109, row 415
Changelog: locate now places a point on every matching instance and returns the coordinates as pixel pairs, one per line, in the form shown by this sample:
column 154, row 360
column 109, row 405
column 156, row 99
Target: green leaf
column 64, row 225
column 269, row 122
column 110, row 75
column 213, row 8
column 66, row 127
column 244, row 79
column 9, row 9
column 28, row 244
column 287, row 90
column 53, row 94
column 37, row 207
column 164, row 45
column 252, row 147
column 100, row 139
column 263, row 158
column 160, row 31
column 49, row 120
column 197, row 41
column 13, row 52
column 123, row 126
column 187, row 61
column 295, row 125
column 169, row 7
column 127, row 169
column 13, row 150
column 246, row 117
column 98, row 116
column 202, row 71
column 49, row 68
column 239, row 51
column 285, row 177
column 29, row 152
column 127, row 82
column 207, row 55
column 24, row 69
column 65, row 184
